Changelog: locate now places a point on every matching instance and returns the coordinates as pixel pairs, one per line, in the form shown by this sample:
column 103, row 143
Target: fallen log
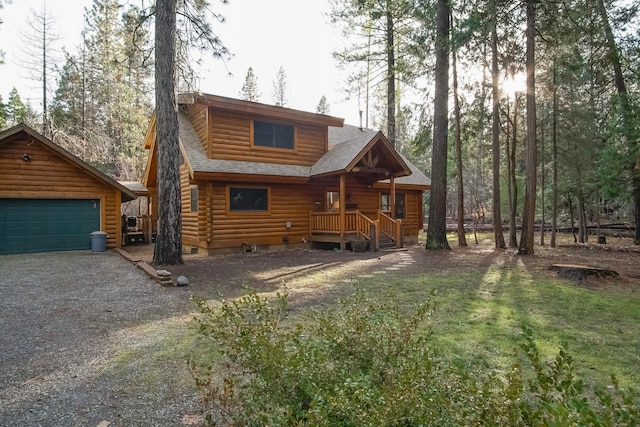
column 581, row 272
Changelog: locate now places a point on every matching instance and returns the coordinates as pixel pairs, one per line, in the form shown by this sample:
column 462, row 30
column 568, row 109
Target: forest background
column 97, row 98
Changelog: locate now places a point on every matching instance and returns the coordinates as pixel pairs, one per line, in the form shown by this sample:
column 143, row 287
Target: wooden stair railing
column 391, row 227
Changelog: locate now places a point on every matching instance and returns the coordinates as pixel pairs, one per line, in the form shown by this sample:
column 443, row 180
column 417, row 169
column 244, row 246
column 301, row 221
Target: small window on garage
column 194, row 199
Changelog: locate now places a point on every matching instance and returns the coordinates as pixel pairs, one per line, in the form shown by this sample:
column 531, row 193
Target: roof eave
column 242, row 177
column 256, row 108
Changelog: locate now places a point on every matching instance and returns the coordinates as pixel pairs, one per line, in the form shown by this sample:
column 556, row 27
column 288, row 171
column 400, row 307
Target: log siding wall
column 47, row 175
column 214, row 228
column 231, row 139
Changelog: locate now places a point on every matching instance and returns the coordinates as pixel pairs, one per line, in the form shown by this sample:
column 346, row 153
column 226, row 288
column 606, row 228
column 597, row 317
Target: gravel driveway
column 76, row 327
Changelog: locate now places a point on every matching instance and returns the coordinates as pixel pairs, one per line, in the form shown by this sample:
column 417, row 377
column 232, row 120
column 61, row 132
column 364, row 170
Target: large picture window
column 273, row 135
column 243, row 199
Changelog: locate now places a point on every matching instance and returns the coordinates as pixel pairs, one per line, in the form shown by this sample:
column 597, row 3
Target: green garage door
column 45, row 225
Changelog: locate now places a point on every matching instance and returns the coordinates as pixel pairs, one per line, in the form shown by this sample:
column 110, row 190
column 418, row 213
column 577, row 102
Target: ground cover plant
column 367, row 363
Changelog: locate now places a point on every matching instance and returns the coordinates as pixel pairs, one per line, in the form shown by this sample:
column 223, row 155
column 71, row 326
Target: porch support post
column 392, row 195
column 343, row 217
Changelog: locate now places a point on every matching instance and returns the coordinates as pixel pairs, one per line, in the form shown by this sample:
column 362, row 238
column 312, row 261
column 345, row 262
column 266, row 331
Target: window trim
column 193, row 189
column 237, row 212
column 394, row 214
column 279, row 123
column 327, row 207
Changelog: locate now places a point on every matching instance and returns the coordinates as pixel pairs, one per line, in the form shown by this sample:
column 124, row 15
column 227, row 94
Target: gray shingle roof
column 416, row 177
column 136, row 187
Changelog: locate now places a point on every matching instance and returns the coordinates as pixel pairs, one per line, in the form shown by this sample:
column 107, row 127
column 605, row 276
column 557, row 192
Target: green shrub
column 365, row 363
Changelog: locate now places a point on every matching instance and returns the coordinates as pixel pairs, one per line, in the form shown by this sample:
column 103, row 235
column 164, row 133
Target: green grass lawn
column 480, row 310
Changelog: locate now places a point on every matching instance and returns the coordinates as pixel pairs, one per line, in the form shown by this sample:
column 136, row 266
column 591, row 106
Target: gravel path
column 77, row 329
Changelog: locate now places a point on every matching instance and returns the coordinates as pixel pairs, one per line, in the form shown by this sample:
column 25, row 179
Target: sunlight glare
column 516, row 83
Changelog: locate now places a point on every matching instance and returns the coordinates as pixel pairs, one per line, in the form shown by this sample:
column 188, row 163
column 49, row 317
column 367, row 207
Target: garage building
column 51, row 200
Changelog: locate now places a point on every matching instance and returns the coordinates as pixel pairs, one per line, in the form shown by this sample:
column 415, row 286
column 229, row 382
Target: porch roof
column 352, row 134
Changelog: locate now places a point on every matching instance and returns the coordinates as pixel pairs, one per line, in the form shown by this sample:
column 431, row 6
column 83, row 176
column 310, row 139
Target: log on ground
column 581, row 272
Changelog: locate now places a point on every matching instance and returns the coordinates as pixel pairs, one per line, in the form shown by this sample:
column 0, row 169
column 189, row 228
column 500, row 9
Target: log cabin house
column 261, row 177
column 51, row 200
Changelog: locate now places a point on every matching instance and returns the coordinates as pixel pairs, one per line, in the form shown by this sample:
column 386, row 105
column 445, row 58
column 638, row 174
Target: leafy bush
column 365, row 363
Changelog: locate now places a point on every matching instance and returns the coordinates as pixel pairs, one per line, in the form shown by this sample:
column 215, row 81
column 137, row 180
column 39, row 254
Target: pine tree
column 384, row 51
column 495, row 130
column 15, row 108
column 171, row 36
column 280, row 89
column 67, row 108
column 1, row 52
column 168, row 248
column 437, row 229
column 3, row 114
column 323, row 106
column 528, row 213
column 249, row 91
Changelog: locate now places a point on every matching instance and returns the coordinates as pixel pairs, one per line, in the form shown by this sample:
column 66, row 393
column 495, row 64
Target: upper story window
column 273, row 135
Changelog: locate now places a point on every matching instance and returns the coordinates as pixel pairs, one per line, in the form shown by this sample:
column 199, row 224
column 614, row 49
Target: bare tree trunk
column 437, row 229
column 391, row 79
column 554, row 207
column 582, row 221
column 542, row 184
column 528, row 213
column 573, row 225
column 462, row 240
column 168, row 248
column 495, row 145
column 513, row 238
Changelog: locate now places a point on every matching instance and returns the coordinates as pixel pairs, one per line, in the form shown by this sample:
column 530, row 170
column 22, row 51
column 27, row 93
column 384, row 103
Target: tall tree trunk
column 529, row 211
column 462, row 240
column 495, row 145
column 554, row 135
column 168, row 248
column 573, row 225
column 542, row 184
column 582, row 221
column 513, row 235
column 437, row 227
column 628, row 118
column 391, row 79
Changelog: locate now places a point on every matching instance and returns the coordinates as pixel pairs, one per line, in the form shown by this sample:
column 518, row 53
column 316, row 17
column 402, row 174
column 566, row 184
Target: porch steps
column 386, row 242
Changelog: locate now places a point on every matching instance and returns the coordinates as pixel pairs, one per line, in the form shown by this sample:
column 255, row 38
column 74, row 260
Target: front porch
column 348, row 227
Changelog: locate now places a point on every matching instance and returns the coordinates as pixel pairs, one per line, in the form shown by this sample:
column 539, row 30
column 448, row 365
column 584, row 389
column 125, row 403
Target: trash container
column 98, row 241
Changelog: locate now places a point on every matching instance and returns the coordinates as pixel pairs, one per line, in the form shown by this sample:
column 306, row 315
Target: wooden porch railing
column 356, row 222
column 329, row 223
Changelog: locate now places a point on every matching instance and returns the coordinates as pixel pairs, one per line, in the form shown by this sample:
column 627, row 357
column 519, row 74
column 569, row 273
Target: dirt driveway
column 65, row 317
column 87, row 337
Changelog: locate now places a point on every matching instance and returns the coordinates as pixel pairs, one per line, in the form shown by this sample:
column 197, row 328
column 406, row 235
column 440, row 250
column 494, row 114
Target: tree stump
column 581, row 272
